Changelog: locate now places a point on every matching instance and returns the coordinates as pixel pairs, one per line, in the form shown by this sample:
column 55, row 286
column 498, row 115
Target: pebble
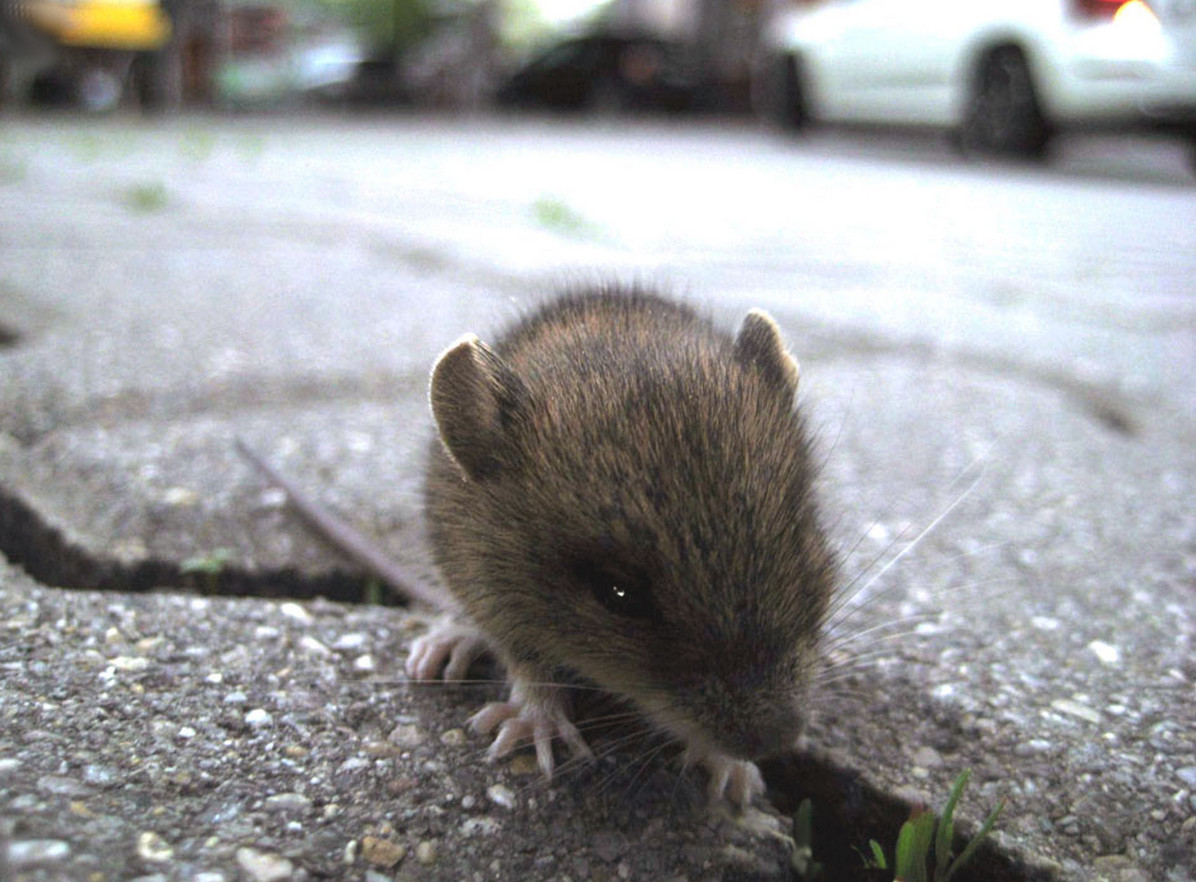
column 483, row 826
column 312, row 646
column 352, row 640
column 365, row 664
column 523, row 764
column 406, row 735
column 147, row 645
column 153, row 848
column 1033, row 747
column 8, row 764
column 32, row 852
column 262, row 866
column 258, row 717
column 59, row 785
column 180, row 496
column 609, row 845
column 1106, row 653
column 131, row 663
column 502, row 795
column 927, row 757
column 1075, row 709
column 382, row 852
column 453, row 738
column 426, row 852
column 295, row 613
column 287, row 802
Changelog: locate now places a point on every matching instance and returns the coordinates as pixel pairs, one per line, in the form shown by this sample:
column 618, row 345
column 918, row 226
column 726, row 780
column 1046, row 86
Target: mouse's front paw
column 737, row 781
column 532, row 715
column 449, row 646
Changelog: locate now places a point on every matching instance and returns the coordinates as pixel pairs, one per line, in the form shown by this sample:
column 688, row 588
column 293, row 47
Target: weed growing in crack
column 923, row 852
column 207, row 566
column 146, row 198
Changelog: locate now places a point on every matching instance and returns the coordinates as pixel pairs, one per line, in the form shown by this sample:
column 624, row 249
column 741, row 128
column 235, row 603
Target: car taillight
column 1098, row 9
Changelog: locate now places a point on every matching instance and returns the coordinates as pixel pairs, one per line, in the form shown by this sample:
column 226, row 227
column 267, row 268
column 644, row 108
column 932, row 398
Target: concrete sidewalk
column 166, row 288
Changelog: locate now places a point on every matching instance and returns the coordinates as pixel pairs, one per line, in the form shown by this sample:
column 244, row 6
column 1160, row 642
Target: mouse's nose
column 770, row 732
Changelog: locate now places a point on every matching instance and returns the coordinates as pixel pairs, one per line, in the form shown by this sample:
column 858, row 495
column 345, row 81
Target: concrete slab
column 175, row 737
column 166, row 291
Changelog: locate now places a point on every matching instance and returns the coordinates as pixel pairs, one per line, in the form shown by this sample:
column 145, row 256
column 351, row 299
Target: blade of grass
column 802, row 855
column 946, row 829
column 878, row 855
column 913, row 847
column 971, row 846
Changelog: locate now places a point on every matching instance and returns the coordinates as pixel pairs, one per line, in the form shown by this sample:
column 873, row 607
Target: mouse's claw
column 737, row 781
column 532, row 716
column 450, row 641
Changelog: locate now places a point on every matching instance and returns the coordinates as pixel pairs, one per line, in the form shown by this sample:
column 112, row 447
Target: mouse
column 621, row 494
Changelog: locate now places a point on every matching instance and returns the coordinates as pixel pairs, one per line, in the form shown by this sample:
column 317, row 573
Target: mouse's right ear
column 759, row 345
column 475, row 397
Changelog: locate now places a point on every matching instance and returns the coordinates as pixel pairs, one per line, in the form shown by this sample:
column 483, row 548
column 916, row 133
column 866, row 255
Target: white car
column 1003, row 74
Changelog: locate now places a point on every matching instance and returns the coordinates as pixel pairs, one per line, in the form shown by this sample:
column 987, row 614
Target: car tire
column 780, row 93
column 1003, row 115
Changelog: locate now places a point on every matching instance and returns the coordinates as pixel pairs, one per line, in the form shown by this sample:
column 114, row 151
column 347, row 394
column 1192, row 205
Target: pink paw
column 531, row 716
column 448, row 641
column 737, row 781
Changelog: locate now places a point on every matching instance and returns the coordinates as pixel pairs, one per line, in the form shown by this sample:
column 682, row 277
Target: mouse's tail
column 348, row 540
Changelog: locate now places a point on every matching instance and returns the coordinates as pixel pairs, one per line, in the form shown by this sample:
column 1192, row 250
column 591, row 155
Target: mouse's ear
column 759, row 346
column 474, row 396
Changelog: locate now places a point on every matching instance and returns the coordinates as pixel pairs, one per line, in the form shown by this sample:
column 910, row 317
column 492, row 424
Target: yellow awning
column 132, row 24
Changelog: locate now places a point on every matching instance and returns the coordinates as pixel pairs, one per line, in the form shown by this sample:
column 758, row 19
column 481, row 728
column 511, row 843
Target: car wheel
column 1003, row 115
column 780, row 93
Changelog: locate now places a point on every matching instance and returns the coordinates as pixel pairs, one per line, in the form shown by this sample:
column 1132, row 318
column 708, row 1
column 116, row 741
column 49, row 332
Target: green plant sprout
column 197, row 144
column 209, row 565
column 147, row 197
column 802, row 855
column 555, row 214
column 921, row 835
column 373, row 592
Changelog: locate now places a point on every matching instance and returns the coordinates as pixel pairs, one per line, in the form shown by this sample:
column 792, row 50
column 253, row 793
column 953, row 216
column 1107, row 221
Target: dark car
column 606, row 73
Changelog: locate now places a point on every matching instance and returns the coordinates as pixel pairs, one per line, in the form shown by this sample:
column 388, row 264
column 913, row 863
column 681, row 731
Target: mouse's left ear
column 759, row 346
column 476, row 398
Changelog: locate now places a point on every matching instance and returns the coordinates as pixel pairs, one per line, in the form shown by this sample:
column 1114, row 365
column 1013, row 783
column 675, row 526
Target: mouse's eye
column 623, row 593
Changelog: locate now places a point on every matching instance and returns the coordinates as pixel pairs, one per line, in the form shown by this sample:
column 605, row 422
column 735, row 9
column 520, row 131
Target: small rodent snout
column 769, row 732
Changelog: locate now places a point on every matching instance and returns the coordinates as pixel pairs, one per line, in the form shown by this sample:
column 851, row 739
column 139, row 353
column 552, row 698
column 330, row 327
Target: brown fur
column 615, row 437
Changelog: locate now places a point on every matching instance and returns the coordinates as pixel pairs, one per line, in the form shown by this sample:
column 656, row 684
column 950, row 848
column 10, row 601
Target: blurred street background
column 431, row 53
